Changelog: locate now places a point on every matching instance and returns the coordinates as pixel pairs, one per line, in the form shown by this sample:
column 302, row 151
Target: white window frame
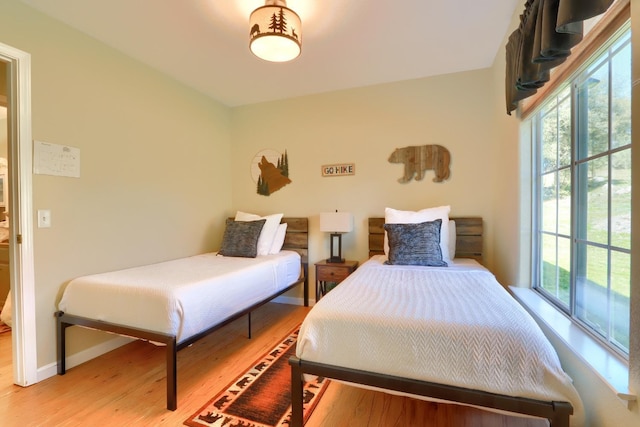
column 570, row 309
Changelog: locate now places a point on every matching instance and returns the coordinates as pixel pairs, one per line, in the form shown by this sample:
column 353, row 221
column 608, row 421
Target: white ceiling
column 345, row 43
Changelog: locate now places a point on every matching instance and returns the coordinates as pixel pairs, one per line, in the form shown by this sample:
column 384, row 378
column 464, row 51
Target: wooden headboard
column 468, row 237
column 297, row 237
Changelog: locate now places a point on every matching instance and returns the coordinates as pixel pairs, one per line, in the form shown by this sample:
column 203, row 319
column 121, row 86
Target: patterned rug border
column 222, row 419
column 3, row 326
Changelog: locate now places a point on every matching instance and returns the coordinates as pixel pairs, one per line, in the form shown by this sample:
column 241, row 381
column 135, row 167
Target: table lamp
column 336, row 223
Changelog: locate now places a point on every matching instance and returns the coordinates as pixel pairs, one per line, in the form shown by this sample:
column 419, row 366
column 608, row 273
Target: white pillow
column 268, row 230
column 278, row 240
column 394, row 216
column 452, row 239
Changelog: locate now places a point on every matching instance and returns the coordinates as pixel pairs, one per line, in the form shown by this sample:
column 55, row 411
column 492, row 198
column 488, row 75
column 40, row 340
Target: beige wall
column 507, row 240
column 155, row 174
column 156, row 179
column 364, row 126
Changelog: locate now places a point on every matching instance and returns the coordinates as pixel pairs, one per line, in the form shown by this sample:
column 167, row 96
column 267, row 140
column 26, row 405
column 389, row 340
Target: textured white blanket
column 181, row 297
column 454, row 325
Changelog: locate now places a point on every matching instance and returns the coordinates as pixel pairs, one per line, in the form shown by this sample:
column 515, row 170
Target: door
column 18, row 100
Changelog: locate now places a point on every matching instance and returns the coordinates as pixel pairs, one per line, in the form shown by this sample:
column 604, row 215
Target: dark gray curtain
column 548, row 30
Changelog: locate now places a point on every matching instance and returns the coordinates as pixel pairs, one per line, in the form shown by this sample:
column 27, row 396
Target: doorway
column 5, row 297
column 21, row 263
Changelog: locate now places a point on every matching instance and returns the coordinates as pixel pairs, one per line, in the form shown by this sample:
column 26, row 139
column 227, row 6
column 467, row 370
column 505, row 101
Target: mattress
column 451, row 325
column 181, row 297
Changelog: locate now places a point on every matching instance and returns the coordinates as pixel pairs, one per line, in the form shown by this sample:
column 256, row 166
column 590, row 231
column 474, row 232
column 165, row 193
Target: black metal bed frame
column 557, row 413
column 469, row 239
column 296, row 239
column 64, row 320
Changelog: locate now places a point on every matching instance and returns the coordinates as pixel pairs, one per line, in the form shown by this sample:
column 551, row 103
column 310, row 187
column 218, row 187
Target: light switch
column 44, row 218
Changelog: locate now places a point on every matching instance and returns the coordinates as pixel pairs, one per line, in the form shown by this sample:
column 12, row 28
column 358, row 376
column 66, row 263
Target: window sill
column 609, row 367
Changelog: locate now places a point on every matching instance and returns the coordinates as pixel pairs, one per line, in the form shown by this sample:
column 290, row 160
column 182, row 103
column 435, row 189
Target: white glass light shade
column 275, row 33
column 336, row 222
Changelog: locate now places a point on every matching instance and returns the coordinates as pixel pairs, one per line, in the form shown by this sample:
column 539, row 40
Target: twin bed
column 177, row 302
column 447, row 334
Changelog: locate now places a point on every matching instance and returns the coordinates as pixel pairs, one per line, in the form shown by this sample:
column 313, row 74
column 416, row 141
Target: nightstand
column 332, row 272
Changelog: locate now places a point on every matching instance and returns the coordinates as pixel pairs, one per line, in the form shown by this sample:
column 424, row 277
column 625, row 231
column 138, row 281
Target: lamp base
column 336, row 258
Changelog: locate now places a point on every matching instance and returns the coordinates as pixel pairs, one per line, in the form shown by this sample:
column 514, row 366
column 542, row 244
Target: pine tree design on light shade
column 275, row 32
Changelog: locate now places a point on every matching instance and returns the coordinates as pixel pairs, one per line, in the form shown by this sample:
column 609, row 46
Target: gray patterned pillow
column 241, row 238
column 415, row 244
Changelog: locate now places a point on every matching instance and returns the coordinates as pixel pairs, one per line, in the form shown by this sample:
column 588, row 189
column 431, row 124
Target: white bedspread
column 455, row 325
column 181, row 297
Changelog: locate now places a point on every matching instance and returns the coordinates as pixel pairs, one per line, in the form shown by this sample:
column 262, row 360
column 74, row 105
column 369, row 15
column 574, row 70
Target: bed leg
column 561, row 414
column 306, row 285
column 297, row 383
column 61, row 329
column 249, row 319
column 172, row 373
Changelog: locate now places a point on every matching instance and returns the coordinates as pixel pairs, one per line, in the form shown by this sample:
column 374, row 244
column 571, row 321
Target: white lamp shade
column 336, row 222
column 275, row 33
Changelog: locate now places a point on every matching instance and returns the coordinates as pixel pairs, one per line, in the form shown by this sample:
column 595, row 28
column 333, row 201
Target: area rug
column 261, row 397
column 3, row 327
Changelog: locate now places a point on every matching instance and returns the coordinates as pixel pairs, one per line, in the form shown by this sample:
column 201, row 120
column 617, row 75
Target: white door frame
column 25, row 361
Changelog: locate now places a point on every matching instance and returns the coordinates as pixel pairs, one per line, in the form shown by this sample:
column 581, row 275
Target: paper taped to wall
column 55, row 159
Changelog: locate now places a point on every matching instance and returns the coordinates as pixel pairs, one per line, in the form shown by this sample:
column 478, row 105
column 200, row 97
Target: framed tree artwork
column 270, row 171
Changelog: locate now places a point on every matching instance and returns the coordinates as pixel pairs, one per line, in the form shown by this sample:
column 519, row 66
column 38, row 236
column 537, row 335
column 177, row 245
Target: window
column 582, row 194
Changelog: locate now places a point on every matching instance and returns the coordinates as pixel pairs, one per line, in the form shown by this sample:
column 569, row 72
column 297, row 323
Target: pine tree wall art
column 270, row 171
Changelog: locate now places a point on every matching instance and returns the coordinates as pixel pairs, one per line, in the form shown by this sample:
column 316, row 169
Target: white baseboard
column 76, row 359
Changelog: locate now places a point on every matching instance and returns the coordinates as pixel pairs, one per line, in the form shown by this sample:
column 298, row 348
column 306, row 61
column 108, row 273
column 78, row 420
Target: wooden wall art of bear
column 418, row 159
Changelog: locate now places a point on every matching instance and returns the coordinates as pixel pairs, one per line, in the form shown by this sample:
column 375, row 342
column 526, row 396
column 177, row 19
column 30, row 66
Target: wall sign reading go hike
column 418, row 159
column 270, row 171
column 339, row 170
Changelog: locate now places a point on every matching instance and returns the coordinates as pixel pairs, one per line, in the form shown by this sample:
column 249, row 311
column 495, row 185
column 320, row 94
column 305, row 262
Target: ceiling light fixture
column 276, row 32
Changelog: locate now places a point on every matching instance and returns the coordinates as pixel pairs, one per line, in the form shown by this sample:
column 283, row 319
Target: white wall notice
column 55, row 159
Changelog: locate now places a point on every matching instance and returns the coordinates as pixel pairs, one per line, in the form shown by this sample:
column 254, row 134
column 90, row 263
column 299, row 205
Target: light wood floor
column 127, row 386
